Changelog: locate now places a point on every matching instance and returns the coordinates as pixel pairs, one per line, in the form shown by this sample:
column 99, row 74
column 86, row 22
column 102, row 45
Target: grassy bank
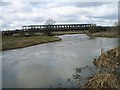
column 108, row 34
column 20, row 42
column 69, row 32
column 107, row 75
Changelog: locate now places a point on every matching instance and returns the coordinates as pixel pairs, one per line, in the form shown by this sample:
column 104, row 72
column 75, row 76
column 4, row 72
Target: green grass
column 20, row 42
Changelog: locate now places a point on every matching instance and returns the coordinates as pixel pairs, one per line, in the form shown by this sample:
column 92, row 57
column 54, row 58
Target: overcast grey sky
column 16, row 13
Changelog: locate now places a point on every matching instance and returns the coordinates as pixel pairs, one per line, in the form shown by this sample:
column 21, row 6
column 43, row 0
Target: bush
column 93, row 29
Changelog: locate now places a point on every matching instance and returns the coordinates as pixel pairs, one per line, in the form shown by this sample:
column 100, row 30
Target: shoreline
column 26, row 42
column 68, row 32
column 31, row 45
column 102, row 34
column 34, row 42
column 107, row 75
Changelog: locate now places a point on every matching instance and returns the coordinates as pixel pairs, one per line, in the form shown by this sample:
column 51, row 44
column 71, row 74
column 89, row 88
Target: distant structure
column 62, row 27
column 42, row 28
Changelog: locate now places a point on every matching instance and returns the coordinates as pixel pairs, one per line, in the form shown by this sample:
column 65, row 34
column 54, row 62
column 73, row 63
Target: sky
column 17, row 13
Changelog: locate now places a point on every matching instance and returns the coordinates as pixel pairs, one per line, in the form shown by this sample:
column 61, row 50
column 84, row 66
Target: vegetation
column 105, row 74
column 111, row 32
column 69, row 32
column 94, row 32
column 93, row 29
column 108, row 33
column 9, row 42
column 103, row 80
column 0, row 41
column 108, row 70
column 48, row 29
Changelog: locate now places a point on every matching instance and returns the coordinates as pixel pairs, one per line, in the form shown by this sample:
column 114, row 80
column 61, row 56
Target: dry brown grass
column 103, row 80
column 20, row 42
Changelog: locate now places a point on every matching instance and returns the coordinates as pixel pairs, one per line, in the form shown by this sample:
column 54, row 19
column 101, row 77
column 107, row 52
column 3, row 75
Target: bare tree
column 48, row 28
column 50, row 22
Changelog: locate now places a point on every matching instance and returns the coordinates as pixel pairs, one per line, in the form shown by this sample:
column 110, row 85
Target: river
column 47, row 65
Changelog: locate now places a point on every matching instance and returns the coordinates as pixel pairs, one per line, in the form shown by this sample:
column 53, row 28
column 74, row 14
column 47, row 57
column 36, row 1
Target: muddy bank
column 107, row 75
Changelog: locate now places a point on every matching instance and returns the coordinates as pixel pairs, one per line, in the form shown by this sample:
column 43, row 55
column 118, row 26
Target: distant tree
column 48, row 28
column 93, row 29
column 117, row 24
column 50, row 22
column 114, row 30
column 115, row 27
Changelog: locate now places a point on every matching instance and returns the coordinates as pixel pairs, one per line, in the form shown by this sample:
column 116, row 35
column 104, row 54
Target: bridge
column 61, row 27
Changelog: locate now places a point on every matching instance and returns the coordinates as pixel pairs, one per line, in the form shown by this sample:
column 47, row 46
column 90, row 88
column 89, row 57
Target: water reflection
column 49, row 64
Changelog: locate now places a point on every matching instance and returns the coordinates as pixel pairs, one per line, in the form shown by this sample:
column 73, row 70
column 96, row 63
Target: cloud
column 62, row 0
column 4, row 3
column 16, row 14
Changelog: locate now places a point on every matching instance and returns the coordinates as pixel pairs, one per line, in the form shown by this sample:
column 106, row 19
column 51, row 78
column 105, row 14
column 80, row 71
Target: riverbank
column 20, row 42
column 9, row 42
column 69, row 32
column 108, row 34
column 107, row 75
